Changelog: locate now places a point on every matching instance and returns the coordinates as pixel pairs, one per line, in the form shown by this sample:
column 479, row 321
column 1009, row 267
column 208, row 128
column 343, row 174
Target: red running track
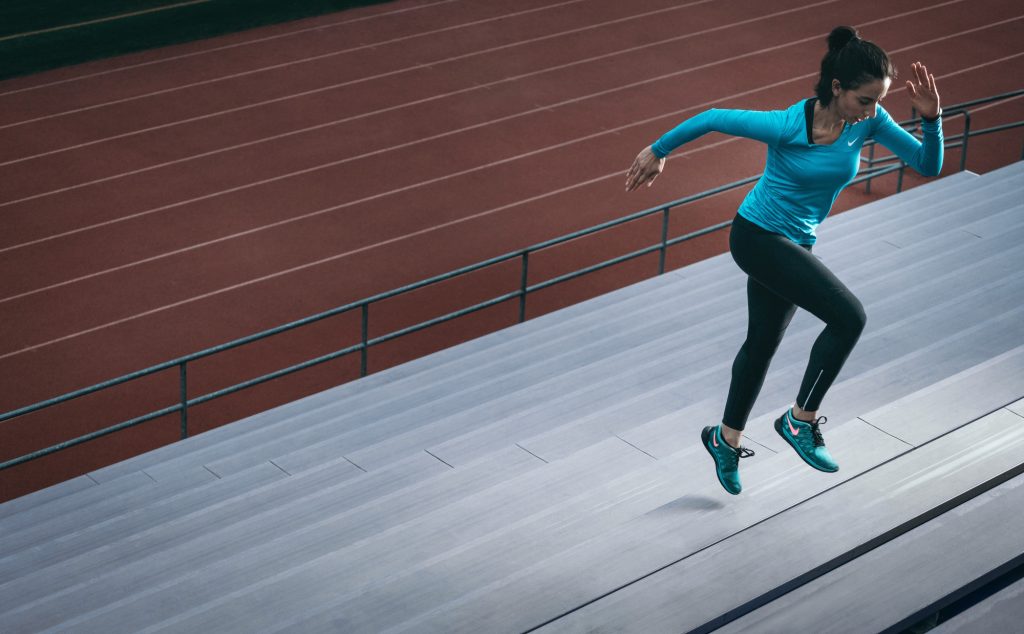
column 161, row 203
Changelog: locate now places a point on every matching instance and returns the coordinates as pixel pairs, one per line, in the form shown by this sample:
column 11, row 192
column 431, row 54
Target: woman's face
column 859, row 103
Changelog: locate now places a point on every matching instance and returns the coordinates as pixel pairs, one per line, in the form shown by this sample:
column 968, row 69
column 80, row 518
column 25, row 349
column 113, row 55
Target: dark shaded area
column 967, row 601
column 32, row 53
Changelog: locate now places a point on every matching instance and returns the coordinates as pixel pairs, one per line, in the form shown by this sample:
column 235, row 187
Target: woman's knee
column 854, row 318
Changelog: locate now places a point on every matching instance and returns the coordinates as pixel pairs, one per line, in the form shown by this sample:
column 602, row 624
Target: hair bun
column 840, row 37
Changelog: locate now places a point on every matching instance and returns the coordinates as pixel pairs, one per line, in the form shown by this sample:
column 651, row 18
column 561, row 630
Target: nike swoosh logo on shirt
column 850, row 143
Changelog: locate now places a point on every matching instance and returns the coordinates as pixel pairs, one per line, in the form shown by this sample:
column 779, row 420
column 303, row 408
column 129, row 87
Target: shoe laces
column 819, row 440
column 732, row 457
column 736, row 453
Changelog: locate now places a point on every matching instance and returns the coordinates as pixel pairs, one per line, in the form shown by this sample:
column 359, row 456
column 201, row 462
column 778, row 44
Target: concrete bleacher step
column 405, row 545
column 361, row 543
column 204, row 434
column 148, row 493
column 418, row 418
column 902, row 581
column 928, row 190
column 505, row 392
column 899, row 335
column 614, row 378
column 368, row 404
column 666, row 570
column 269, row 513
column 920, row 197
column 866, row 391
column 44, row 496
column 222, row 528
column 411, row 586
column 652, row 421
column 432, row 499
column 570, row 515
column 204, row 472
column 404, row 377
column 648, row 420
column 468, row 350
column 97, row 501
column 63, row 537
column 1003, row 611
column 1000, row 379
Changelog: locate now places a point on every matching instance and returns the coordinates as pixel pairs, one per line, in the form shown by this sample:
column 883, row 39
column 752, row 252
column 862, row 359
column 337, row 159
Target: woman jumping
column 813, row 153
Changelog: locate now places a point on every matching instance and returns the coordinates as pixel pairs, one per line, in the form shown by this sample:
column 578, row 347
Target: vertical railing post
column 183, row 380
column 871, row 163
column 523, row 285
column 364, row 338
column 903, row 166
column 967, row 135
column 664, row 240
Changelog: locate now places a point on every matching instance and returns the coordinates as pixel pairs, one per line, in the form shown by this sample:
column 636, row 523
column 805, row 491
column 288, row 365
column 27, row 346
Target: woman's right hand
column 645, row 169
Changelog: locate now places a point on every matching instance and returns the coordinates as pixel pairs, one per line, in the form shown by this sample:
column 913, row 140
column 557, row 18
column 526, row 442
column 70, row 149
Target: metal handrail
column 363, row 305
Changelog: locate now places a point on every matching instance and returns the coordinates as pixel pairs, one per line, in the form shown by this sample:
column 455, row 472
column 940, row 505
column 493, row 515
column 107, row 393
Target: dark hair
column 852, row 61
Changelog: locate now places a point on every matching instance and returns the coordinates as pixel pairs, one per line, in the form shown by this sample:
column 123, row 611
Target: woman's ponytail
column 840, row 37
column 852, row 61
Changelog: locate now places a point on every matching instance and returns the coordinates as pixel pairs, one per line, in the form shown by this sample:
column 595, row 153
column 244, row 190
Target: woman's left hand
column 645, row 169
column 923, row 94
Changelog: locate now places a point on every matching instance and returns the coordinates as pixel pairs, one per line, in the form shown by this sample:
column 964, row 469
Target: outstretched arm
column 924, row 157
column 767, row 127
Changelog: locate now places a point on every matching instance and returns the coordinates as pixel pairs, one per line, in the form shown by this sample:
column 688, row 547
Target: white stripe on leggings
column 807, row 400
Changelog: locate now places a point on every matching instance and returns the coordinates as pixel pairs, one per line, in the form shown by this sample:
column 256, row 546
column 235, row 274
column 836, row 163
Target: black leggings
column 781, row 276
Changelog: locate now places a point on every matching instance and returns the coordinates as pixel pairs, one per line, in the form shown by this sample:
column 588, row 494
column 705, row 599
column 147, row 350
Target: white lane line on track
column 111, row 18
column 616, row 174
column 264, row 69
column 619, row 174
column 354, row 117
column 217, row 49
column 411, row 143
column 353, row 82
column 407, row 144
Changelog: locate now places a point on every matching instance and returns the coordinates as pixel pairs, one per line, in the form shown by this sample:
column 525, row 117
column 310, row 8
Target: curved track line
column 111, row 18
column 352, row 82
column 616, row 174
column 395, row 108
column 220, row 48
column 305, row 60
column 409, row 144
column 439, row 136
column 375, row 112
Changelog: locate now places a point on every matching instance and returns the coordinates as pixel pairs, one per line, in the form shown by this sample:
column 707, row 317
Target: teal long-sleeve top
column 802, row 179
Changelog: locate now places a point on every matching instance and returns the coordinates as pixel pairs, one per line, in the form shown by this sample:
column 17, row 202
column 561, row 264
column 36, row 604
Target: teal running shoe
column 726, row 458
column 806, row 439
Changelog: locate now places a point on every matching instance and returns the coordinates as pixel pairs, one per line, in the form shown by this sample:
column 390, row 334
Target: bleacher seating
column 549, row 476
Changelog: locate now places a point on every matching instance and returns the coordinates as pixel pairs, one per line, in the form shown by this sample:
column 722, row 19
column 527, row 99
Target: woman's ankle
column 731, row 436
column 803, row 415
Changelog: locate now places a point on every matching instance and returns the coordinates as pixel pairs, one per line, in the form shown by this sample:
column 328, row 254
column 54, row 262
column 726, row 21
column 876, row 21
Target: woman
column 813, row 152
